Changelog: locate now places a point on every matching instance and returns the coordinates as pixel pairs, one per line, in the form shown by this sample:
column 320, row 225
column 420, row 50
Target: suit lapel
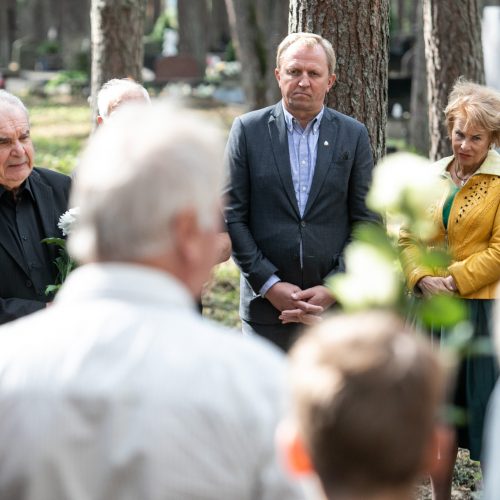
column 8, row 242
column 45, row 201
column 326, row 146
column 279, row 141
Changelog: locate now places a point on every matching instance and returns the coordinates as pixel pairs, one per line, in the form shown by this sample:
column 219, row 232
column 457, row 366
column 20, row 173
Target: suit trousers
column 282, row 336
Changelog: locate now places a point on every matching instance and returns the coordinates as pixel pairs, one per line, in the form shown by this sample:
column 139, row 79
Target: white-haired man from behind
column 121, row 390
column 116, row 92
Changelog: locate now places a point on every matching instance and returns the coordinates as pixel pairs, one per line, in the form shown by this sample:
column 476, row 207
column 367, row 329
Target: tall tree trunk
column 117, row 28
column 193, row 39
column 219, row 26
column 419, row 117
column 7, row 30
column 359, row 33
column 257, row 26
column 452, row 38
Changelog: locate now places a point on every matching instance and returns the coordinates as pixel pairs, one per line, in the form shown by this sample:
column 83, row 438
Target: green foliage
column 221, row 297
column 76, row 79
column 230, row 53
column 165, row 20
column 59, row 133
column 64, row 263
column 442, row 310
column 48, row 47
column 60, row 154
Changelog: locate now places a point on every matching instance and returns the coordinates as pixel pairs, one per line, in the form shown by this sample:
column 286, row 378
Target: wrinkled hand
column 309, row 304
column 435, row 285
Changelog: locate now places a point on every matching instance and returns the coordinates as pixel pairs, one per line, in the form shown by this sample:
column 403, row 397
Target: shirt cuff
column 268, row 284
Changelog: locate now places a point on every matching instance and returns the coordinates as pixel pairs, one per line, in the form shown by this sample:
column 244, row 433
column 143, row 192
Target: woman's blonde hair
column 478, row 105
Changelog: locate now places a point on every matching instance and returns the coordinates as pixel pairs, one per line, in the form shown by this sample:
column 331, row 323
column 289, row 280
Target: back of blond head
column 366, row 394
column 477, row 105
column 137, row 175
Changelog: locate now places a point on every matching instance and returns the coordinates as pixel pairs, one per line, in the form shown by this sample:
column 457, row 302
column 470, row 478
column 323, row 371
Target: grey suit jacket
column 262, row 214
column 18, row 294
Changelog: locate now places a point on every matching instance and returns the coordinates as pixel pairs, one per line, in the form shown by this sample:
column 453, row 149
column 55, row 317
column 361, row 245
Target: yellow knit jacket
column 473, row 235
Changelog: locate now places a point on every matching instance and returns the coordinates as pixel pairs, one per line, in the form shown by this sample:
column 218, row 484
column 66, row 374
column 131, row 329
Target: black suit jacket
column 18, row 295
column 262, row 214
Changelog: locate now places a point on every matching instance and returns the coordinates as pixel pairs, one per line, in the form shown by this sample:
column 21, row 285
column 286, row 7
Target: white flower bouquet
column 64, row 263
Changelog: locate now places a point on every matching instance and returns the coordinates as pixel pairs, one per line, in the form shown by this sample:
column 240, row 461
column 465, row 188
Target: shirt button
column 29, row 283
column 303, row 188
column 303, row 162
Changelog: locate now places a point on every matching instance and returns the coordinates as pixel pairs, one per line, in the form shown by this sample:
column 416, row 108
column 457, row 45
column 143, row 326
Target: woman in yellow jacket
column 468, row 219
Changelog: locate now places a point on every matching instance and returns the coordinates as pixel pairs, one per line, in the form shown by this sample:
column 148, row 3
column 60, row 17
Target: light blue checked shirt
column 303, row 150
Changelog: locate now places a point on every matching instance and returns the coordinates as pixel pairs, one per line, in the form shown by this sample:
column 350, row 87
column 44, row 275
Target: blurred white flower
column 407, row 186
column 372, row 278
column 67, row 220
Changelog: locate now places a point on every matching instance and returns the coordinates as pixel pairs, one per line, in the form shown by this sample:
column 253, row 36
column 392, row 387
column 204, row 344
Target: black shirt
column 20, row 211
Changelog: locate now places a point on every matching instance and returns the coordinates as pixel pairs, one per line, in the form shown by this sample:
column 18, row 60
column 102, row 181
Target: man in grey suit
column 299, row 174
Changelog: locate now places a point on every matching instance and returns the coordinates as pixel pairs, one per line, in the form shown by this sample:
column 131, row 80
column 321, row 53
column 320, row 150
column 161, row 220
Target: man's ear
column 331, row 80
column 293, row 449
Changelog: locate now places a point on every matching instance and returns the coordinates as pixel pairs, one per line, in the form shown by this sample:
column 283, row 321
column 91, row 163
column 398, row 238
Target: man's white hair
column 8, row 99
column 136, row 176
column 116, row 90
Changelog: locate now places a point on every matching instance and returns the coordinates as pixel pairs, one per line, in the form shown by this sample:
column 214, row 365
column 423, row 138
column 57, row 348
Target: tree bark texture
column 193, row 35
column 257, row 27
column 8, row 13
column 419, row 117
column 117, row 28
column 359, row 33
column 452, row 36
column 220, row 33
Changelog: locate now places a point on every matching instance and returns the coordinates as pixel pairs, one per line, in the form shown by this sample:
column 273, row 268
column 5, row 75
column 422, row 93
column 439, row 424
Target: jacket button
column 29, row 283
column 303, row 223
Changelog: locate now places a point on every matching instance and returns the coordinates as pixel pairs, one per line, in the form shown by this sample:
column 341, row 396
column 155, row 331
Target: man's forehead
column 298, row 51
column 13, row 115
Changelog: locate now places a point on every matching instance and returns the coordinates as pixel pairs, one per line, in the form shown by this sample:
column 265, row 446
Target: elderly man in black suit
column 299, row 174
column 31, row 201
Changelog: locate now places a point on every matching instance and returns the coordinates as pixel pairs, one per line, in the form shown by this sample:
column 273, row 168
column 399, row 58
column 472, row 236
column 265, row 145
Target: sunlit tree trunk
column 117, row 28
column 452, row 35
column 359, row 33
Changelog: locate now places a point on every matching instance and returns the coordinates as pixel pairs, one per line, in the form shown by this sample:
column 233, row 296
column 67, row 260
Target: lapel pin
column 325, row 143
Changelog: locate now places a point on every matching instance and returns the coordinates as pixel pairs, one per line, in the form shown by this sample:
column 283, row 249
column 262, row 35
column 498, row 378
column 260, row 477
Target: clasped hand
column 436, row 285
column 299, row 306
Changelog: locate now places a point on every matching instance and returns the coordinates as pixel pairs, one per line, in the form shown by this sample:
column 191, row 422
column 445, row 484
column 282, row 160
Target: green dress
column 477, row 374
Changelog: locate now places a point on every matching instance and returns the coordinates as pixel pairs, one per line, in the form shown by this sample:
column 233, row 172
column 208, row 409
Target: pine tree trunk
column 419, row 117
column 219, row 26
column 257, row 26
column 359, row 33
column 452, row 35
column 193, row 35
column 117, row 28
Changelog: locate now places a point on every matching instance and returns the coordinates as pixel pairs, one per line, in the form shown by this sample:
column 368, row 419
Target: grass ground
column 59, row 131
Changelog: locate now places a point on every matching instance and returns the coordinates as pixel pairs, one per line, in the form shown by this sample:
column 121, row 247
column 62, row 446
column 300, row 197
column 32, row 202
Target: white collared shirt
column 120, row 391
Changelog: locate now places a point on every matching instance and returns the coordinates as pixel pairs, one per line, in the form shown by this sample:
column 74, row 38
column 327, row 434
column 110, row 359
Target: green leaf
column 375, row 235
column 60, row 242
column 52, row 289
column 435, row 257
column 442, row 310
